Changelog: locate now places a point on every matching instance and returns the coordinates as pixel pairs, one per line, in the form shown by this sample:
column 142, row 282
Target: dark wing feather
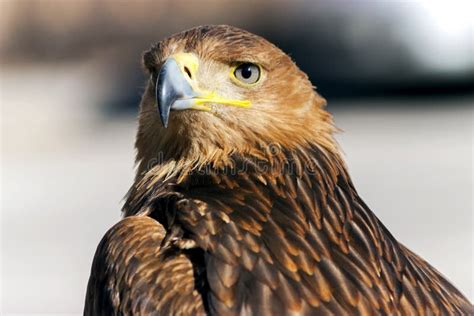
column 132, row 275
column 298, row 243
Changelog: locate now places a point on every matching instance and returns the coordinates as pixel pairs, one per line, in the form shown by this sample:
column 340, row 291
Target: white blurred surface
column 65, row 171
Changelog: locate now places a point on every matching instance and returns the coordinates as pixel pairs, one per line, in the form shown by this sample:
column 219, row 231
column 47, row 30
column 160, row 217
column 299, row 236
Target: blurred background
column 398, row 76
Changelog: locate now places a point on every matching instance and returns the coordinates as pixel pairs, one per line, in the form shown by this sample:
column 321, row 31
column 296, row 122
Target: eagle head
column 218, row 90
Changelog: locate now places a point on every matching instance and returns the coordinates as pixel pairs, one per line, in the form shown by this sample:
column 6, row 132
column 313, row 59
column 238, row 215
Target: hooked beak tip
column 162, row 96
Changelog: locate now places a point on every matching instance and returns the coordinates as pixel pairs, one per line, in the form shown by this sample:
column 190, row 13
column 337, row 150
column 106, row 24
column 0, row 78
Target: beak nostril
column 186, row 69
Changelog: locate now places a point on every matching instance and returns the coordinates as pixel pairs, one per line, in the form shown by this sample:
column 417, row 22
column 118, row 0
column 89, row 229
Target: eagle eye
column 247, row 73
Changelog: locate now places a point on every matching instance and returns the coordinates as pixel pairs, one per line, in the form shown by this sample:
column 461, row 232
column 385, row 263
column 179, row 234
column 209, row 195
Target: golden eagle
column 242, row 204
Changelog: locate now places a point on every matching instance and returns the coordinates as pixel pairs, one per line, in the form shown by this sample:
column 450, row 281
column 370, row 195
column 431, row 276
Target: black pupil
column 246, row 71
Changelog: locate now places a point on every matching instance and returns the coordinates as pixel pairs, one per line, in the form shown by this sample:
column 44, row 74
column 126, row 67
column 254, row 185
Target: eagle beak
column 171, row 87
column 176, row 88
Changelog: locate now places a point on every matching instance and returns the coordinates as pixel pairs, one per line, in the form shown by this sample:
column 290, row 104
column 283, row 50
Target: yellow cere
column 189, row 60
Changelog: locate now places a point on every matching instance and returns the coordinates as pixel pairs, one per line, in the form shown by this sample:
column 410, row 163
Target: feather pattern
column 248, row 230
column 267, row 254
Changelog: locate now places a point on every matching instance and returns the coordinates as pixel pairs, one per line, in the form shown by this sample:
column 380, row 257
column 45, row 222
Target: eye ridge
column 247, row 73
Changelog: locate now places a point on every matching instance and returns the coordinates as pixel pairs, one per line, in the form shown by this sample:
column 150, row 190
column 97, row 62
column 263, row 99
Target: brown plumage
column 251, row 210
